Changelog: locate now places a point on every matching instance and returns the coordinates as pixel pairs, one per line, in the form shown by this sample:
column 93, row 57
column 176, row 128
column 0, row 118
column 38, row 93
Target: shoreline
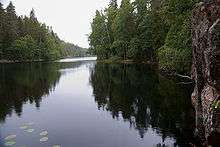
column 126, row 61
column 168, row 74
column 163, row 72
column 28, row 61
column 34, row 61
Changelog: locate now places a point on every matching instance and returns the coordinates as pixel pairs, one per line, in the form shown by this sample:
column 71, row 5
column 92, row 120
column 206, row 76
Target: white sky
column 70, row 19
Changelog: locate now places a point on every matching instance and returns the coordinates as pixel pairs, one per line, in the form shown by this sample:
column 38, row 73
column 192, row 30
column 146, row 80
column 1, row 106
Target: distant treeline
column 145, row 30
column 71, row 50
column 24, row 38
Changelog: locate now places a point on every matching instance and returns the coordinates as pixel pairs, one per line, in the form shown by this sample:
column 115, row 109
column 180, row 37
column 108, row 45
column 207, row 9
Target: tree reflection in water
column 22, row 83
column 145, row 99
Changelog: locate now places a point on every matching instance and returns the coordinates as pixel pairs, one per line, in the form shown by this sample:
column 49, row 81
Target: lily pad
column 10, row 137
column 56, row 146
column 44, row 133
column 29, row 130
column 44, row 139
column 30, row 123
column 23, row 127
column 10, row 143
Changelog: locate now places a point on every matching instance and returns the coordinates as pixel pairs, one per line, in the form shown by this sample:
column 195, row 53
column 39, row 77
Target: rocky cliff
column 206, row 70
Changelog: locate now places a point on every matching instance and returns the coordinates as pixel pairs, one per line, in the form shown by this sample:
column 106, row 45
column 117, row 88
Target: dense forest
column 24, row 38
column 71, row 50
column 145, row 30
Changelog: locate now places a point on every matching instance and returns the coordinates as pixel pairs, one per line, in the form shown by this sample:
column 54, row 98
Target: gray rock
column 206, row 69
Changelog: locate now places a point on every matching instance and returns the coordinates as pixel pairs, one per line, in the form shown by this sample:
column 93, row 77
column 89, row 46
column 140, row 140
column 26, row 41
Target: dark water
column 89, row 104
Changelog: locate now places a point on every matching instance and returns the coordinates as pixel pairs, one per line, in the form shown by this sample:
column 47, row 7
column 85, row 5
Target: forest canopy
column 24, row 38
column 145, row 30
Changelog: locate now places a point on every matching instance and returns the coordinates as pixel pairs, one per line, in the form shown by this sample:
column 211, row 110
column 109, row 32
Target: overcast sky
column 70, row 19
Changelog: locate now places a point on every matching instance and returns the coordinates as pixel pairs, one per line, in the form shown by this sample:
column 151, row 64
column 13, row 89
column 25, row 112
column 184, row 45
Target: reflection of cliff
column 25, row 82
column 144, row 99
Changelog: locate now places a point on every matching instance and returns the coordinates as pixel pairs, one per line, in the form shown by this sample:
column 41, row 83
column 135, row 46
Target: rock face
column 206, row 70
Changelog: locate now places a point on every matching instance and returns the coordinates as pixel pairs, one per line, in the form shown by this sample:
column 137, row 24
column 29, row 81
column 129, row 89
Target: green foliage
column 217, row 104
column 145, row 35
column 141, row 30
column 127, row 31
column 176, row 53
column 25, row 48
column 2, row 13
column 99, row 38
column 71, row 50
column 124, row 27
column 26, row 39
column 172, row 9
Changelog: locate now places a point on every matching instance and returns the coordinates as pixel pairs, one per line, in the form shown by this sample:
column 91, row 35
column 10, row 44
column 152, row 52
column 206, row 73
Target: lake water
column 81, row 103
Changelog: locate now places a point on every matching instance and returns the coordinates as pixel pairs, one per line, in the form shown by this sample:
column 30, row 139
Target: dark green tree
column 99, row 38
column 124, row 28
column 24, row 38
column 143, row 50
column 11, row 30
column 2, row 14
column 176, row 53
column 111, row 13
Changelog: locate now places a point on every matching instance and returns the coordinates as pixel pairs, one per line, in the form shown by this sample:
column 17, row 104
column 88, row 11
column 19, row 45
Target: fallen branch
column 184, row 83
column 183, row 76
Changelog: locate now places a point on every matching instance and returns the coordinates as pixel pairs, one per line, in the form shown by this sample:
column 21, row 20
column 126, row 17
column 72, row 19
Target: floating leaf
column 29, row 130
column 44, row 133
column 10, row 137
column 56, row 146
column 9, row 143
column 30, row 123
column 23, row 127
column 44, row 139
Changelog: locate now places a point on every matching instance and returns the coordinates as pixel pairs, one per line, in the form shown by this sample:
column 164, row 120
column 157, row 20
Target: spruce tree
column 2, row 13
column 124, row 28
column 144, row 33
column 11, row 25
column 111, row 13
column 99, row 38
column 33, row 16
column 113, row 3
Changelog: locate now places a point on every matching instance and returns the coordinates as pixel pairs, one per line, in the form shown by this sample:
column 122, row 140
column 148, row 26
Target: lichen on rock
column 206, row 69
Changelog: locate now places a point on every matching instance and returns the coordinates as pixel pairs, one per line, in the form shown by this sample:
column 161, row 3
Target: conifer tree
column 11, row 23
column 99, row 38
column 2, row 13
column 32, row 15
column 11, row 30
column 124, row 28
column 111, row 13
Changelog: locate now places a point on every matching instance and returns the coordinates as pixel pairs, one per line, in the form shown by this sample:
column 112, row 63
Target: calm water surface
column 89, row 104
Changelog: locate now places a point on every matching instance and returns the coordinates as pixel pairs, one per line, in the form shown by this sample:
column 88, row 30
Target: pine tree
column 2, row 13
